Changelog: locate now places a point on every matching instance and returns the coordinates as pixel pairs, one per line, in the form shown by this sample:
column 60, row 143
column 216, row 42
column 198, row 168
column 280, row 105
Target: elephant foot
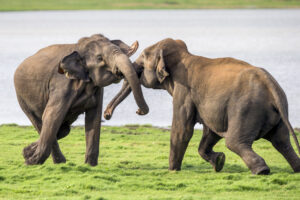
column 58, row 159
column 297, row 169
column 29, row 150
column 91, row 161
column 218, row 161
column 33, row 156
column 33, row 160
column 175, row 167
column 265, row 170
column 36, row 159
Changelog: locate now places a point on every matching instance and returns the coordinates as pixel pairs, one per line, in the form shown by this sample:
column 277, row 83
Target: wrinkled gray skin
column 60, row 82
column 231, row 98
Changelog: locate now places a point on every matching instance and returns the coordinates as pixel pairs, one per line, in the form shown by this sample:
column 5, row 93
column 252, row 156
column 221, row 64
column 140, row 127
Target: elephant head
column 156, row 61
column 153, row 67
column 102, row 61
column 151, row 64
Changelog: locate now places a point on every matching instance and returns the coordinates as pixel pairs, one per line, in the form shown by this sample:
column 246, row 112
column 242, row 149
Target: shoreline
column 35, row 5
column 130, row 126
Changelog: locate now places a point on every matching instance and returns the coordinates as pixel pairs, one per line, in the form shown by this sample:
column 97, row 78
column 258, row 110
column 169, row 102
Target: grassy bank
column 16, row 5
column 133, row 165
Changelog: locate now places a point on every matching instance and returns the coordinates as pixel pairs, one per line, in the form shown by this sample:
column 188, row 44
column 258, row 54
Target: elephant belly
column 214, row 117
column 83, row 103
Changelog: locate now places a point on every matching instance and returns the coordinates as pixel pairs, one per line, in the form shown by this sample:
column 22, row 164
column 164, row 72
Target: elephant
column 231, row 98
column 62, row 81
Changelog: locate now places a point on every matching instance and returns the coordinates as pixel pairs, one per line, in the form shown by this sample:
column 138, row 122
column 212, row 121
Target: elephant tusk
column 133, row 48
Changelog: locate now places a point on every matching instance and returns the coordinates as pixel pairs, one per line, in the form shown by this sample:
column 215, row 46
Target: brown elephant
column 53, row 101
column 231, row 98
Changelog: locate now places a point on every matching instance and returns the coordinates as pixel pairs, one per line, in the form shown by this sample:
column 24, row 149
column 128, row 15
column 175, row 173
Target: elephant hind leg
column 244, row 127
column 280, row 139
column 36, row 122
column 205, row 150
column 255, row 163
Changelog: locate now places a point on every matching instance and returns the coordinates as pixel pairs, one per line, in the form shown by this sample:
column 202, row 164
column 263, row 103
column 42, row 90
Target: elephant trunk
column 122, row 94
column 127, row 69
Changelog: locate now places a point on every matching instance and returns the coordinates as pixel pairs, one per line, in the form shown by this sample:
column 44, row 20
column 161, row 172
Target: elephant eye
column 99, row 58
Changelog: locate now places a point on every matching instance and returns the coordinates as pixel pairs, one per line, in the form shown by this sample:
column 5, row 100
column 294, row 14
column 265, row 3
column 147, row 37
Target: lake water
column 264, row 38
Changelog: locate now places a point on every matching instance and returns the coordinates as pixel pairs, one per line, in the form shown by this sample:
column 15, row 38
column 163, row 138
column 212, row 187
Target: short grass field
column 17, row 5
column 133, row 164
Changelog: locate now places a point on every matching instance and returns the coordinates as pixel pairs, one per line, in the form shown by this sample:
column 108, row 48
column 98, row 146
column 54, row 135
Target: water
column 265, row 38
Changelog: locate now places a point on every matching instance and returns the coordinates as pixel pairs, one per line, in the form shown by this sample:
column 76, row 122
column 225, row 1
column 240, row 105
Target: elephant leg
column 280, row 139
column 29, row 150
column 57, row 155
column 53, row 116
column 183, row 124
column 244, row 127
column 180, row 138
column 205, row 150
column 243, row 147
column 92, row 130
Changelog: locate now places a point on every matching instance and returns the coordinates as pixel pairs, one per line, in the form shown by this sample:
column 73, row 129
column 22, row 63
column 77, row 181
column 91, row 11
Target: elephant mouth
column 118, row 73
column 139, row 69
column 139, row 72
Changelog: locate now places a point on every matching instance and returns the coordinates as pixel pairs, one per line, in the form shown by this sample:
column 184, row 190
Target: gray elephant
column 52, row 101
column 231, row 98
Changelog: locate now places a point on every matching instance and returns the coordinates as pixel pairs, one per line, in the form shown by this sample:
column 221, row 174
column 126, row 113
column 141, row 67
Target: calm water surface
column 264, row 38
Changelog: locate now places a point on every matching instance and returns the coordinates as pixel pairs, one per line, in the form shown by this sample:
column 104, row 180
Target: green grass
column 133, row 164
column 14, row 5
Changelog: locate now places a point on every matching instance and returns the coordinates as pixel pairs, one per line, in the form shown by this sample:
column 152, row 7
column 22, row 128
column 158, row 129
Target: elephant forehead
column 92, row 48
column 150, row 62
column 103, row 48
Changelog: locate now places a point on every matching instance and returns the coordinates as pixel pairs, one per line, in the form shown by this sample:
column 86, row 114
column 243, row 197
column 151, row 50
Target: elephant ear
column 161, row 72
column 128, row 50
column 72, row 66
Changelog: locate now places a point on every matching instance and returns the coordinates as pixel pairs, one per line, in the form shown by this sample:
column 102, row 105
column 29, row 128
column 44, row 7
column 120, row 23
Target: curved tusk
column 133, row 48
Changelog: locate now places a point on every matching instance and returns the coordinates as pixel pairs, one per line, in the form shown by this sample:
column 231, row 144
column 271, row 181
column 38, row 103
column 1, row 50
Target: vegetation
column 133, row 164
column 14, row 5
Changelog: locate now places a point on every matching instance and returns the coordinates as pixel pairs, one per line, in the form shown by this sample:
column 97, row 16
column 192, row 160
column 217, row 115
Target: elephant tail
column 281, row 103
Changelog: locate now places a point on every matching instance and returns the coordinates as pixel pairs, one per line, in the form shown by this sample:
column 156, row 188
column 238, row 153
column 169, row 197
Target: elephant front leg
column 92, row 130
column 38, row 152
column 182, row 128
column 180, row 138
column 57, row 155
